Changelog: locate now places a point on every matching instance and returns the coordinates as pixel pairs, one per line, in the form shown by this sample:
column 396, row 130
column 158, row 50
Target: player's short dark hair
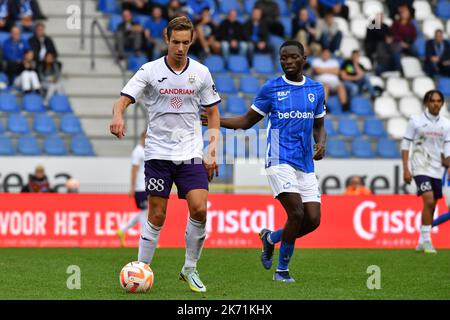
column 180, row 24
column 429, row 94
column 295, row 44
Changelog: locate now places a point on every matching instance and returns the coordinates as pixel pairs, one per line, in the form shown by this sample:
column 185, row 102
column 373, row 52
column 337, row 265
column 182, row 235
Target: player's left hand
column 211, row 166
column 319, row 151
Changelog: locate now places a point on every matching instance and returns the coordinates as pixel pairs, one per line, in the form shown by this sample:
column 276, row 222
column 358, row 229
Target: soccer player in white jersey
column 137, row 189
column 295, row 105
column 173, row 89
column 426, row 136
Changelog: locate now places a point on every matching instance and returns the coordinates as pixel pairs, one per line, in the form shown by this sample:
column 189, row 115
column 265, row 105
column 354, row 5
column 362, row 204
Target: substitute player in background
column 137, row 189
column 295, row 106
column 173, row 89
column 427, row 135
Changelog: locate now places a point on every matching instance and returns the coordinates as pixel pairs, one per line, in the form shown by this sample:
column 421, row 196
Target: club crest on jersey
column 311, row 97
column 192, row 78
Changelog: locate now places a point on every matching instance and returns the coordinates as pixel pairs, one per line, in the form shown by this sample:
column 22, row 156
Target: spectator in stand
column 41, row 43
column 206, row 42
column 6, row 21
column 130, row 36
column 14, row 49
column 387, row 58
column 28, row 80
column 50, row 76
column 136, row 6
column 326, row 70
column 231, row 36
column 394, row 5
column 376, row 33
column 271, row 16
column 328, row 33
column 355, row 187
column 338, row 8
column 404, row 31
column 355, row 77
column 25, row 15
column 311, row 5
column 256, row 33
column 37, row 182
column 195, row 8
column 175, row 9
column 437, row 56
column 304, row 31
column 156, row 26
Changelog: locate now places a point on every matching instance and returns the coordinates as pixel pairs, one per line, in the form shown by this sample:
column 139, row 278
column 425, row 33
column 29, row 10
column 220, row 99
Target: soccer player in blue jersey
column 295, row 106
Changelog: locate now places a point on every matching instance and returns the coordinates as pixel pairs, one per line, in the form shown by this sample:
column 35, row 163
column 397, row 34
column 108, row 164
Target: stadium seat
column 143, row 20
column 348, row 44
column 225, row 84
column 342, row 25
column 17, row 123
column 398, row 87
column 26, row 36
column 70, row 124
column 443, row 9
column 387, row 148
column 422, row 10
column 33, row 102
column 412, row 67
column 420, row 47
column 2, row 128
column 374, row 127
column 348, row 127
column 109, row 6
column 263, row 63
column 249, row 85
column 238, row 64
column 410, row 106
column 44, row 124
column 366, row 63
column 60, row 103
column 226, row 6
column 377, row 82
column 444, row 86
column 372, row 8
column 284, row 10
column 386, row 107
column 28, row 146
column 6, row 146
column 135, row 62
column 287, row 25
column 329, row 127
column 236, row 105
column 361, row 106
column 81, row 146
column 54, row 146
column 215, row 63
column 354, row 10
column 334, row 106
column 161, row 2
column 396, row 127
column 362, row 148
column 337, row 149
column 8, row 102
column 3, row 36
column 114, row 21
column 430, row 26
column 422, row 85
column 248, row 6
column 4, row 82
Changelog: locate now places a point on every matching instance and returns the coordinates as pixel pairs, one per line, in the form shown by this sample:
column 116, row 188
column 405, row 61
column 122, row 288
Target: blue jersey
column 292, row 108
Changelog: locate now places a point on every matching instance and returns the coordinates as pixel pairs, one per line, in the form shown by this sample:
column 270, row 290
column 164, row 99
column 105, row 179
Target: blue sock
column 441, row 219
column 286, row 252
column 275, row 236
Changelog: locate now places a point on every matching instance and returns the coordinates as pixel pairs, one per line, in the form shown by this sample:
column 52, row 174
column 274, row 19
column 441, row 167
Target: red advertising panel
column 90, row 220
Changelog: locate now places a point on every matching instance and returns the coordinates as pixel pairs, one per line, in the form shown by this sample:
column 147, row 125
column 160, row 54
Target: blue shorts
column 426, row 184
column 141, row 199
column 187, row 175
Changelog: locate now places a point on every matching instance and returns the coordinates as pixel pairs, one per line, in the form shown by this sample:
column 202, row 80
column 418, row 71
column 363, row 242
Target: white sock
column 425, row 233
column 195, row 237
column 148, row 242
column 143, row 217
column 131, row 223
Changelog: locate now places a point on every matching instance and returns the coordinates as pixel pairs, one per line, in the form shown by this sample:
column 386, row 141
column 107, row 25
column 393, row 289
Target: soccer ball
column 136, row 277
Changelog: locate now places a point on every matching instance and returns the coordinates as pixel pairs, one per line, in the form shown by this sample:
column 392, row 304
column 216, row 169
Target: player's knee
column 157, row 217
column 198, row 212
column 296, row 217
column 315, row 222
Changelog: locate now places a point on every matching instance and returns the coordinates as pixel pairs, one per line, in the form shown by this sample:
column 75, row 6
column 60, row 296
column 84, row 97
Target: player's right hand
column 117, row 127
column 407, row 177
column 131, row 193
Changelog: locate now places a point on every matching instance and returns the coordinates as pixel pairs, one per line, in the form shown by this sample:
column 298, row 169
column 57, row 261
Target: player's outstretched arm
column 117, row 126
column 213, row 118
column 320, row 137
column 242, row 122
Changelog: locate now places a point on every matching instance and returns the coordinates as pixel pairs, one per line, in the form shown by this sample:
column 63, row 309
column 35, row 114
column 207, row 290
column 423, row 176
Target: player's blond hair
column 180, row 24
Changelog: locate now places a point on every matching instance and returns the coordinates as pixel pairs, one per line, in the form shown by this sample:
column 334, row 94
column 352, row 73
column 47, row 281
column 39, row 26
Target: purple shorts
column 141, row 199
column 426, row 184
column 187, row 175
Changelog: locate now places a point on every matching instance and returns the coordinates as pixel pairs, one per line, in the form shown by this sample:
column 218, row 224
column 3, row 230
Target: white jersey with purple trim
column 173, row 101
column 137, row 159
column 429, row 136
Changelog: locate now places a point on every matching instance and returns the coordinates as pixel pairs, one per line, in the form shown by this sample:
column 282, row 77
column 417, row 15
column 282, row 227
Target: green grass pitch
column 30, row 273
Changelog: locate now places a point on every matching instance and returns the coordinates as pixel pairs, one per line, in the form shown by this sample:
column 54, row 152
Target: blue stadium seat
column 334, row 106
column 361, row 148
column 329, row 127
column 249, row 85
column 284, row 11
column 26, row 36
column 287, row 25
column 28, row 146
column 44, row 124
column 348, row 127
column 3, row 36
column 54, row 146
column 143, row 20
column 236, row 104
column 225, row 84
column 8, row 102
column 238, row 64
column 60, row 103
column 248, row 6
column 361, row 106
column 420, row 46
column 6, row 146
column 2, row 128
column 81, row 146
column 215, row 63
column 275, row 41
column 226, row 6
column 70, row 124
column 17, row 123
column 109, row 6
column 337, row 149
column 374, row 127
column 161, row 2
column 33, row 102
column 443, row 10
column 4, row 79
column 135, row 62
column 387, row 148
column 444, row 86
column 262, row 63
column 114, row 21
